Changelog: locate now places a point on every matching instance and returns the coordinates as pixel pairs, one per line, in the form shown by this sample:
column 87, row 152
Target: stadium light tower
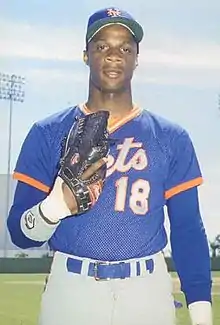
column 11, row 89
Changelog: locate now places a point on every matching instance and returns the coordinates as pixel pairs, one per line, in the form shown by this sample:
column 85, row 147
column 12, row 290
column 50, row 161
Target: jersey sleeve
column 33, row 173
column 25, row 197
column 184, row 170
column 33, row 166
column 189, row 244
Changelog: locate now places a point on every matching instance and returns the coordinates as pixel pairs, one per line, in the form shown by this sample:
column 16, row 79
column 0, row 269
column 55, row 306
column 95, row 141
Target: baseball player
column 108, row 266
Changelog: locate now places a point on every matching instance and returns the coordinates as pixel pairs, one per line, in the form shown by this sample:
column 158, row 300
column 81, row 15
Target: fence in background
column 42, row 265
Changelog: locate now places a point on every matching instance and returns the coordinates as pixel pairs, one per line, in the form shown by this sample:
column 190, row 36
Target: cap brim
column 135, row 29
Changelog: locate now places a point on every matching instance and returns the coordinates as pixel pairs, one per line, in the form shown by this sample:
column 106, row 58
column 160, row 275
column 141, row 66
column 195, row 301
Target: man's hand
column 201, row 313
column 69, row 198
column 82, row 173
column 82, row 163
column 61, row 202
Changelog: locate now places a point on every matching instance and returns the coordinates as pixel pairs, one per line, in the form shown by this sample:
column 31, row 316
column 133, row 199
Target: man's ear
column 85, row 57
column 136, row 63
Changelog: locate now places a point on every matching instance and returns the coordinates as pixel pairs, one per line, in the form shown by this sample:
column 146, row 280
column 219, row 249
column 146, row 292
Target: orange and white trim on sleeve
column 31, row 181
column 183, row 187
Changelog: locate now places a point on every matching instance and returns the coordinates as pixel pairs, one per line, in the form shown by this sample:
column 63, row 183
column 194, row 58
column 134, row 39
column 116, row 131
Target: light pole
column 11, row 89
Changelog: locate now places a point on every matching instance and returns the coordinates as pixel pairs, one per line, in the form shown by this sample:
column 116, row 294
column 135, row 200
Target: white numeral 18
column 138, row 200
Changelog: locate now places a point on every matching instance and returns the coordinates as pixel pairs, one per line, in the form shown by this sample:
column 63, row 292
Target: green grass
column 20, row 296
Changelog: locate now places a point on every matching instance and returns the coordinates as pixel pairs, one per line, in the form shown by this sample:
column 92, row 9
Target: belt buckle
column 96, row 265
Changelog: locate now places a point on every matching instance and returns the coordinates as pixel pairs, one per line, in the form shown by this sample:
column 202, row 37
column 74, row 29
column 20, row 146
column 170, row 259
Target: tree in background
column 215, row 246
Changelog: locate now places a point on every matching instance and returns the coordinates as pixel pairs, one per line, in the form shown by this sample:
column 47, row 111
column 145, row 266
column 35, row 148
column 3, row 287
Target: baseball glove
column 86, row 143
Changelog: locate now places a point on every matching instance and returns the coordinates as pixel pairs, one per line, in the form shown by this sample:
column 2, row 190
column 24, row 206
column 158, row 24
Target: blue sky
column 178, row 75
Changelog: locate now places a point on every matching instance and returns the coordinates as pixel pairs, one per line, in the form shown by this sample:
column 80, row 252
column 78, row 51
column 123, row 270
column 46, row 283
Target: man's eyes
column 101, row 47
column 123, row 49
column 126, row 49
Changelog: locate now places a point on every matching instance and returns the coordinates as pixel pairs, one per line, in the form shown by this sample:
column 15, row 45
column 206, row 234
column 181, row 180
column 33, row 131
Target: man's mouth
column 112, row 73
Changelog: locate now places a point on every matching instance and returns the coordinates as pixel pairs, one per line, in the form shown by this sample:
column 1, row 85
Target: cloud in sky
column 166, row 59
column 47, row 42
column 198, row 16
column 23, row 40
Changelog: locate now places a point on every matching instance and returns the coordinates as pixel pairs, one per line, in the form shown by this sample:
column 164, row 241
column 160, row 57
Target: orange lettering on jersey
column 137, row 162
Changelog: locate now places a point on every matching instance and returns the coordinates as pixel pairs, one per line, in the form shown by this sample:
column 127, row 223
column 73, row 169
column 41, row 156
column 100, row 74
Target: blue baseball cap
column 108, row 16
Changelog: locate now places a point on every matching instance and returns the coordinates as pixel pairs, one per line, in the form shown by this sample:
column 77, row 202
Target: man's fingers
column 93, row 168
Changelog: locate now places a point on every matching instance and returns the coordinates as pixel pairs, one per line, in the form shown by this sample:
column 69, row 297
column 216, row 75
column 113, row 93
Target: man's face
column 112, row 57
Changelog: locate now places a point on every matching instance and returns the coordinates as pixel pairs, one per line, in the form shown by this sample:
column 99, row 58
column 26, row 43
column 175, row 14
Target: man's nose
column 114, row 55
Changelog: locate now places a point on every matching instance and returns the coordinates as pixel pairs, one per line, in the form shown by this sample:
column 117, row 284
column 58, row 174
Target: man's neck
column 117, row 104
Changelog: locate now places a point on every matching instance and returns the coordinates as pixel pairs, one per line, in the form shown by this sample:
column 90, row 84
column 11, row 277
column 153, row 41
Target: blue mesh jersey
column 151, row 161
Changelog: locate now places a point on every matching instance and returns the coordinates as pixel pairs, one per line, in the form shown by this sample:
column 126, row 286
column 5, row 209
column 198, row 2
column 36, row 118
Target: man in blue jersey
column 108, row 265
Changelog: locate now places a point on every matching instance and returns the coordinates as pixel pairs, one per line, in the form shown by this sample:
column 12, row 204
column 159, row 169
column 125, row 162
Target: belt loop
column 85, row 267
column 142, row 267
column 133, row 269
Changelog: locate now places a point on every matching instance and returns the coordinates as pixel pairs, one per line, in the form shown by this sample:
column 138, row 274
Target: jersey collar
column 115, row 123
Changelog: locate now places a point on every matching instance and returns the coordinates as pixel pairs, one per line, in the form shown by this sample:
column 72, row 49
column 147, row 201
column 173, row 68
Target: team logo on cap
column 113, row 12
